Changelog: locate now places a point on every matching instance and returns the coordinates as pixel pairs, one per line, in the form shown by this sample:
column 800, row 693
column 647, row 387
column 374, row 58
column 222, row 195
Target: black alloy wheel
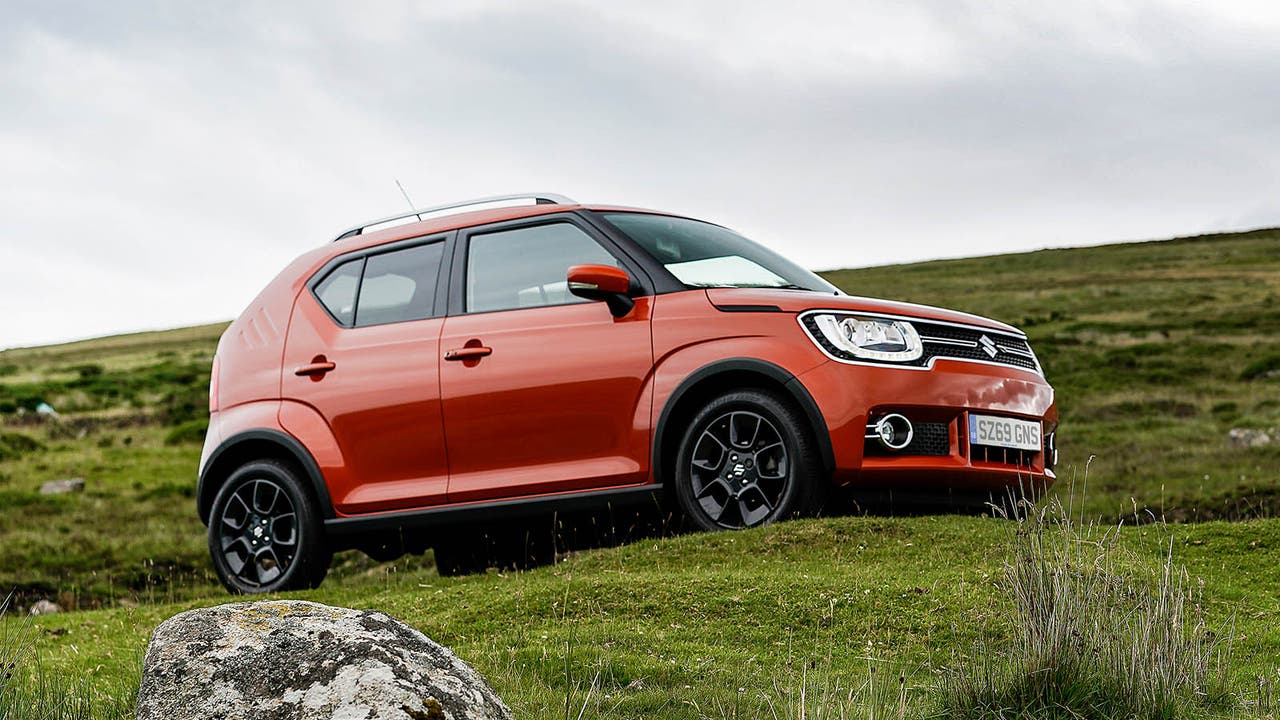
column 264, row 533
column 747, row 459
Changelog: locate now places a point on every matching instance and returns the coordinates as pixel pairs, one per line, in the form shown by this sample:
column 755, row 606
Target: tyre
column 265, row 533
column 748, row 458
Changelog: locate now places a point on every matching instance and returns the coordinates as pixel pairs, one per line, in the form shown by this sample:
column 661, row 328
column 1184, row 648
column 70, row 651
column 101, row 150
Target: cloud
column 164, row 160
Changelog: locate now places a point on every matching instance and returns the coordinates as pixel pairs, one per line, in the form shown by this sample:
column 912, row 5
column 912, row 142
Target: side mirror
column 602, row 282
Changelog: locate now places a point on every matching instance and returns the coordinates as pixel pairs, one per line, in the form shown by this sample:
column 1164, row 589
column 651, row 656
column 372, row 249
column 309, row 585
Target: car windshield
column 700, row 254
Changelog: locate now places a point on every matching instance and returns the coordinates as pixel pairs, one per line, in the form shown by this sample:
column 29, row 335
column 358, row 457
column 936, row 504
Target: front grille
column 926, row 439
column 948, row 341
column 1004, row 456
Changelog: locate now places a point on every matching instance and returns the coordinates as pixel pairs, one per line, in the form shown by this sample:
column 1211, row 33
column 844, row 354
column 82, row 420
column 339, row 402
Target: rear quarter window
column 337, row 292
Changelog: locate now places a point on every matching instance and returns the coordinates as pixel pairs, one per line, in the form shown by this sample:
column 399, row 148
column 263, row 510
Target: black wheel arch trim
column 288, row 443
column 795, row 389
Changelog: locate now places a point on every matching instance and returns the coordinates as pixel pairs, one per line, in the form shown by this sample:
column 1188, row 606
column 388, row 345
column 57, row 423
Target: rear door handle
column 468, row 353
column 317, row 367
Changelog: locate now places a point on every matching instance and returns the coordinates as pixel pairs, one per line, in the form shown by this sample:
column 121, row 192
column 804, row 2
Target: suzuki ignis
column 431, row 376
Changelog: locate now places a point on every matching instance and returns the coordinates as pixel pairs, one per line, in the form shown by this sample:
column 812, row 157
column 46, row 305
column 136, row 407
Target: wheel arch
column 258, row 444
column 722, row 375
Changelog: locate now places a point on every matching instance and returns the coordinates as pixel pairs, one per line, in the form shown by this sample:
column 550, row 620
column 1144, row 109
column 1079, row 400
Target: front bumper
column 938, row 401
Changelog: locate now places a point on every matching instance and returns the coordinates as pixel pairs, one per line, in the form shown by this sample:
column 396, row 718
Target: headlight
column 870, row 338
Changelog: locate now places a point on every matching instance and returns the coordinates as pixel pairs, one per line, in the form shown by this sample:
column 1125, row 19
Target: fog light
column 893, row 431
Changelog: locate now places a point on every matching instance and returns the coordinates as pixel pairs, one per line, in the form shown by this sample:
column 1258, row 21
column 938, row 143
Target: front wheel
column 264, row 532
column 747, row 459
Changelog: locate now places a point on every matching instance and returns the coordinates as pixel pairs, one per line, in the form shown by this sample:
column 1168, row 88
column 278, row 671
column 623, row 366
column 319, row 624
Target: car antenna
column 406, row 197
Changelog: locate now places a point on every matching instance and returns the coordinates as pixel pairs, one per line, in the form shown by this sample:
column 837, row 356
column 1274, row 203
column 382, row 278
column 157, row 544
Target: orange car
column 432, row 375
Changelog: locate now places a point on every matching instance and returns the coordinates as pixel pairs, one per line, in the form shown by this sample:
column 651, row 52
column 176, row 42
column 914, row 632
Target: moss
column 432, row 710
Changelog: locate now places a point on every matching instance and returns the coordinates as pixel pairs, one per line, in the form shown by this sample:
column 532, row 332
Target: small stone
column 60, row 487
column 44, row 607
column 1247, row 438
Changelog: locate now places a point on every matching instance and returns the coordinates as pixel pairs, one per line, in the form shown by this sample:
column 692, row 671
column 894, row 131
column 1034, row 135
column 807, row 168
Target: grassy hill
column 1157, row 350
column 733, row 624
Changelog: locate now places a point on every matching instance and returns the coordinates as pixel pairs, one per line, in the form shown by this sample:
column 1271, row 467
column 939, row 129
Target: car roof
column 456, row 221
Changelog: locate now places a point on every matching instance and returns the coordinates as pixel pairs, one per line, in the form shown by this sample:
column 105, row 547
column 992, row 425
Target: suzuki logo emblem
column 988, row 346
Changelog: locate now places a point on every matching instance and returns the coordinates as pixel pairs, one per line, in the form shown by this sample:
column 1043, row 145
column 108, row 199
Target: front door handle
column 469, row 353
column 317, row 367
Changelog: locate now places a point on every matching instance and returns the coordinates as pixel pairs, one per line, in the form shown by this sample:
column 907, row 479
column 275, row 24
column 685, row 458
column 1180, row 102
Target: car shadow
column 546, row 540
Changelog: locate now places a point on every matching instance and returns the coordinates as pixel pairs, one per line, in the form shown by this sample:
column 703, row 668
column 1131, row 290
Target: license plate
column 1004, row 432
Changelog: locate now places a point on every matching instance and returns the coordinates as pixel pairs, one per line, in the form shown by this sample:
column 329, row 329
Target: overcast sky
column 162, row 161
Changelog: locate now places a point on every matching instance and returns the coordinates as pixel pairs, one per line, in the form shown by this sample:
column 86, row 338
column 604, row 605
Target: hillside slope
column 1156, row 349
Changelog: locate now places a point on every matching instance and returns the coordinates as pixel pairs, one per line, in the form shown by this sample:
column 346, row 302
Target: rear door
column 549, row 392
column 363, row 351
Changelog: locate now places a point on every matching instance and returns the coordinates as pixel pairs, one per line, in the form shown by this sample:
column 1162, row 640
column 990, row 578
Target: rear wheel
column 265, row 534
column 747, row 459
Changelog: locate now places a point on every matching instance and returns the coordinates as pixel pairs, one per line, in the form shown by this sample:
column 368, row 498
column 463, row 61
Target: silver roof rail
column 537, row 198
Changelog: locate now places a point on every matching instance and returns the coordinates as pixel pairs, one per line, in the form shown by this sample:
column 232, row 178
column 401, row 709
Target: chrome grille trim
column 947, row 341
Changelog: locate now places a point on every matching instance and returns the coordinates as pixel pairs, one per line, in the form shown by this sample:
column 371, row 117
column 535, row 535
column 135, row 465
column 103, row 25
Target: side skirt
column 345, row 530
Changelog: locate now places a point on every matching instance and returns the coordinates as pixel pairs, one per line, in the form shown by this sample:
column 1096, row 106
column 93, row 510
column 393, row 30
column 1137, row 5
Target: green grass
column 1156, row 351
column 674, row 627
column 29, row 690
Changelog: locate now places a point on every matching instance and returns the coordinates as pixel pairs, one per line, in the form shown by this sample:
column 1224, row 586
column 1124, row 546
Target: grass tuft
column 812, row 694
column 14, row 445
column 28, row 692
column 1096, row 632
column 191, row 431
column 1262, row 368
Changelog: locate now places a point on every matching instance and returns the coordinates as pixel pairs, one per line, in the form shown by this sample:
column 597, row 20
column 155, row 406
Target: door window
column 526, row 267
column 399, row 285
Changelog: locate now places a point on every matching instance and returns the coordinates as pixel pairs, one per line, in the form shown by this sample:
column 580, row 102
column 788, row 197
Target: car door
column 542, row 391
column 363, row 351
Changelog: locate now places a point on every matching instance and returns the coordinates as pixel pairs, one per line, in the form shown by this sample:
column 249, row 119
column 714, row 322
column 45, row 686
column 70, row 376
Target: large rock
column 293, row 659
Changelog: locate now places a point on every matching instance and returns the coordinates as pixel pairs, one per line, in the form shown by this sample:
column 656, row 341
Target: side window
column 337, row 292
column 399, row 285
column 526, row 267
